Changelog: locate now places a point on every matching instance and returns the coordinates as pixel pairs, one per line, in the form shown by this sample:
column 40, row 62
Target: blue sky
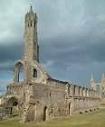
column 71, row 37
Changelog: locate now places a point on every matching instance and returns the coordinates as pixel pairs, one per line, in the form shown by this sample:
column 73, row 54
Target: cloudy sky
column 71, row 37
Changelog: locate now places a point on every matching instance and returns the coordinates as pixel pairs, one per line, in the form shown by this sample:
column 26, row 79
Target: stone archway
column 45, row 113
column 13, row 101
column 19, row 72
column 11, row 104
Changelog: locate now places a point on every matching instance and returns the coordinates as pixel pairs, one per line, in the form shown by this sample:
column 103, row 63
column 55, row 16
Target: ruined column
column 84, row 91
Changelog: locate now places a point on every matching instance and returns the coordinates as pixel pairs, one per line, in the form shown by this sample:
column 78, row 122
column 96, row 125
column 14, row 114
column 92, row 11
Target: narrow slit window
column 34, row 73
column 31, row 23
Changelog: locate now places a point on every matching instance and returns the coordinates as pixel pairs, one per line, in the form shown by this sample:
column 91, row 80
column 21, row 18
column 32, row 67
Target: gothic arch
column 13, row 101
column 45, row 113
column 19, row 72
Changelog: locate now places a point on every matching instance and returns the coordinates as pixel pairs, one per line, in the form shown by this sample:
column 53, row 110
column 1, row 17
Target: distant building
column 98, row 86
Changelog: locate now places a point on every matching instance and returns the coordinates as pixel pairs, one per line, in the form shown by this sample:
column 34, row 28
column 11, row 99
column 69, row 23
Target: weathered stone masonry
column 40, row 97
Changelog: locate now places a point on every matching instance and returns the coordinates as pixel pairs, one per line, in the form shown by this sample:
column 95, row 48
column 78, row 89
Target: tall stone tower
column 31, row 51
column 29, row 65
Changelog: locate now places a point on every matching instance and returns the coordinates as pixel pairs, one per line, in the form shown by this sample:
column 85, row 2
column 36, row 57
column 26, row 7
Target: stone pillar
column 90, row 92
column 67, row 90
column 76, row 90
column 71, row 90
column 84, row 91
column 79, row 90
column 87, row 92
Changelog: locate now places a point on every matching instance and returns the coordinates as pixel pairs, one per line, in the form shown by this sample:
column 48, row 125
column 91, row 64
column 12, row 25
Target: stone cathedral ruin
column 40, row 97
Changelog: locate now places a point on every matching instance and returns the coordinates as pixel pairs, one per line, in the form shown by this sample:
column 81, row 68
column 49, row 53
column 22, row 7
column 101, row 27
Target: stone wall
column 55, row 99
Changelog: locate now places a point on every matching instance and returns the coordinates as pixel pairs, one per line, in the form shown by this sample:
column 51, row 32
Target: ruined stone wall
column 57, row 99
column 46, row 97
column 54, row 99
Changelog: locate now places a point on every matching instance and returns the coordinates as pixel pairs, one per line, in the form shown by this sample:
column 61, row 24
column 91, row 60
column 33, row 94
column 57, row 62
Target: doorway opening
column 45, row 114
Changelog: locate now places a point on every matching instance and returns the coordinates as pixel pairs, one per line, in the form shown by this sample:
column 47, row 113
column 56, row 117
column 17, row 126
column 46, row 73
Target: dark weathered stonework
column 39, row 96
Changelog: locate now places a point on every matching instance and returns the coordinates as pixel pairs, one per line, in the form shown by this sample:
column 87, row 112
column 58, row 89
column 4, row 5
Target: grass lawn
column 93, row 119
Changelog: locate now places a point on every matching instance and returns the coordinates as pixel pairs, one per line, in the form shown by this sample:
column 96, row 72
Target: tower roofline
column 31, row 9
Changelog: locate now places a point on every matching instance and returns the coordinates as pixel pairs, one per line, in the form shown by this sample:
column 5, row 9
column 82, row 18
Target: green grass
column 93, row 119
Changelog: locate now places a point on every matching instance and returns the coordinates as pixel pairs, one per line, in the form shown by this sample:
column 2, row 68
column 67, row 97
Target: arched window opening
column 12, row 102
column 19, row 72
column 34, row 73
